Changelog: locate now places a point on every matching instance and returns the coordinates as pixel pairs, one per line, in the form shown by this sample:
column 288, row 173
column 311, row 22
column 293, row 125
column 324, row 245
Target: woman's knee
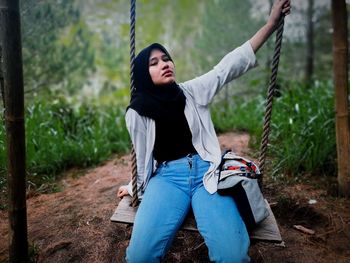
column 229, row 247
column 144, row 253
column 231, row 257
column 230, row 253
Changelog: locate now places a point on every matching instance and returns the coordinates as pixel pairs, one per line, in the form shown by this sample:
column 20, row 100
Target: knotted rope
column 270, row 95
column 135, row 199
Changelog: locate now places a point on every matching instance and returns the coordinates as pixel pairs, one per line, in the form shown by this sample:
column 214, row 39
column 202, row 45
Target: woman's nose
column 164, row 65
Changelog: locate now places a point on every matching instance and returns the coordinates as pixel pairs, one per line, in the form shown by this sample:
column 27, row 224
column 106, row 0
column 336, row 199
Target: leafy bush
column 303, row 124
column 302, row 138
column 244, row 115
column 59, row 136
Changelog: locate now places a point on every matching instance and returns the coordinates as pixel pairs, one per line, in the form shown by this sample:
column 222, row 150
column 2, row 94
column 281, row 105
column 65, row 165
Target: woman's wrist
column 271, row 25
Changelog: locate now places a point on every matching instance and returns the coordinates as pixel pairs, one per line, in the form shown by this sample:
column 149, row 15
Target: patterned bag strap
column 253, row 170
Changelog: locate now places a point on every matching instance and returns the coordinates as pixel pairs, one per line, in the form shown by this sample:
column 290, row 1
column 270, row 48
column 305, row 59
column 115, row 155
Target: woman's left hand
column 122, row 191
column 280, row 7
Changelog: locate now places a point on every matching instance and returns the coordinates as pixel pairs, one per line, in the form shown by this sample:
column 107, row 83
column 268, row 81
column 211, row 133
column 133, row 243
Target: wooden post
column 309, row 67
column 10, row 41
column 340, row 72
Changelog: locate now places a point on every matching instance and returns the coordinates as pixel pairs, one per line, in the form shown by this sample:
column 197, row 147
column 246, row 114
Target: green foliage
column 56, row 50
column 225, row 25
column 60, row 135
column 302, row 138
column 241, row 115
column 33, row 252
column 68, row 45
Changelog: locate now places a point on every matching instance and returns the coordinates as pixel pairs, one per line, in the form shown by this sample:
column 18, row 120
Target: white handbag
column 238, row 177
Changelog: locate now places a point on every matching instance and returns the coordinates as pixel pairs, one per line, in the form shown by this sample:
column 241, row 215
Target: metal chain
column 269, row 100
column 135, row 199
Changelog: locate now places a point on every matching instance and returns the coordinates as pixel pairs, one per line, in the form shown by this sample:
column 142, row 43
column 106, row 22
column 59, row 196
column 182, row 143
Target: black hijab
column 159, row 102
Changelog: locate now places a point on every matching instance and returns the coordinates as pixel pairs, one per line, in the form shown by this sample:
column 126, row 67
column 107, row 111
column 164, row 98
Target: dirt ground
column 74, row 225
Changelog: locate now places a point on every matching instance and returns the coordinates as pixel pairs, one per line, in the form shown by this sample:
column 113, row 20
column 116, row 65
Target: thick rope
column 269, row 100
column 132, row 43
column 135, row 199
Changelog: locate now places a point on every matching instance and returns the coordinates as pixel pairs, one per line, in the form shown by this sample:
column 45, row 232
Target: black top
column 173, row 139
column 165, row 105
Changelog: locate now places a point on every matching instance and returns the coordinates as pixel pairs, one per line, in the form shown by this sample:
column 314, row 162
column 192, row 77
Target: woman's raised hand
column 280, row 7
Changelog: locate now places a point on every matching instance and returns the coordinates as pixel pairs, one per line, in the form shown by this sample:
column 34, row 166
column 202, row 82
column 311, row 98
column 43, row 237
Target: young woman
column 178, row 152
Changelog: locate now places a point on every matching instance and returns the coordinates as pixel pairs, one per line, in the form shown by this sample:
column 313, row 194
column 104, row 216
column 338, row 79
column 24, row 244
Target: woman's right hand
column 122, row 191
column 280, row 7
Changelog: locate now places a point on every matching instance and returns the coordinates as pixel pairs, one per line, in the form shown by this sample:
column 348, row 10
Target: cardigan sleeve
column 234, row 64
column 136, row 126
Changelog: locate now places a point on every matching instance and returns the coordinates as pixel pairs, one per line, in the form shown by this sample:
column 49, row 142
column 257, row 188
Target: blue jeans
column 175, row 187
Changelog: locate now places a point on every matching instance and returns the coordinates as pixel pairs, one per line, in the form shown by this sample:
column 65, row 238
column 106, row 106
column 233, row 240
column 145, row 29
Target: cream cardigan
column 199, row 92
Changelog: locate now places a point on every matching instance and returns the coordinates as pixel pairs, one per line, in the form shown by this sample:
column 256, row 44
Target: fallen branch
column 304, row 229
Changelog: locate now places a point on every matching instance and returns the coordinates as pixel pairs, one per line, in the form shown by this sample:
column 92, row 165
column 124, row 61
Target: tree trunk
column 10, row 41
column 340, row 72
column 309, row 69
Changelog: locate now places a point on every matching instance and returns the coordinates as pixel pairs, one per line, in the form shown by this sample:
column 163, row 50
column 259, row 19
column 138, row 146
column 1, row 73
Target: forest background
column 76, row 78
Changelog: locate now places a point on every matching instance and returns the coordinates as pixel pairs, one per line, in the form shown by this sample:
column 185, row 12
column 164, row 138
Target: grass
column 302, row 138
column 237, row 115
column 60, row 135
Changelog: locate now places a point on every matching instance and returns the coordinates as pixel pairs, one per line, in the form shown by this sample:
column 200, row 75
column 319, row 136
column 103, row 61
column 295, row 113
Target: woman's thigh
column 160, row 214
column 221, row 226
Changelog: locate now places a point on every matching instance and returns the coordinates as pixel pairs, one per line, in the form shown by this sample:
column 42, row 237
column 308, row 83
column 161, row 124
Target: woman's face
column 161, row 68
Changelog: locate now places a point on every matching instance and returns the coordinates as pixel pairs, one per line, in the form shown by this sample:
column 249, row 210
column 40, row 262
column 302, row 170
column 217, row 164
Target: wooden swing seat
column 266, row 231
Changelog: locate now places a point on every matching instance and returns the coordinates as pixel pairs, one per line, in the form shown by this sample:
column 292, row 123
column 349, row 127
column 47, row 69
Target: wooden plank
column 267, row 231
column 125, row 213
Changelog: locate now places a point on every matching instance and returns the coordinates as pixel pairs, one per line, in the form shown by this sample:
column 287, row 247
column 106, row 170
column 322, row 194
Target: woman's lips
column 168, row 73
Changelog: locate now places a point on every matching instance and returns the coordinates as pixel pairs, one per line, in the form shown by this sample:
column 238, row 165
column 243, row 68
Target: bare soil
column 74, row 225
